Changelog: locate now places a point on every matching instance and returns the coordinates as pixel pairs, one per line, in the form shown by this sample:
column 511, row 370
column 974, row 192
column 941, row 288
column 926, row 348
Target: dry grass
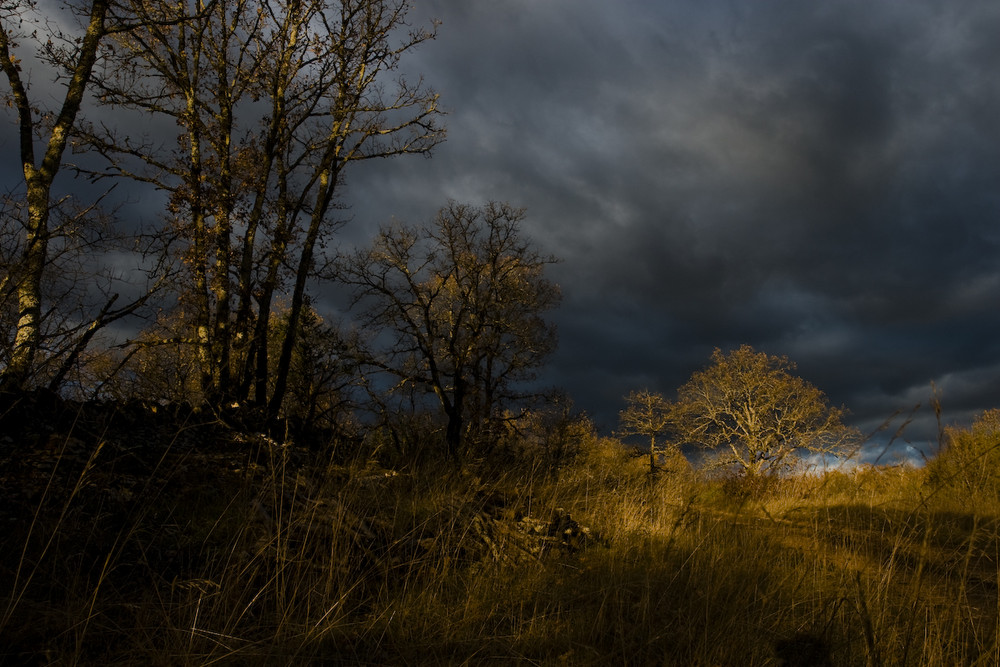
column 248, row 552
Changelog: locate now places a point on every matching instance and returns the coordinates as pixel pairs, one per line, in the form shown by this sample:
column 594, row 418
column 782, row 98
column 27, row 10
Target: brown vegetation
column 134, row 536
column 261, row 487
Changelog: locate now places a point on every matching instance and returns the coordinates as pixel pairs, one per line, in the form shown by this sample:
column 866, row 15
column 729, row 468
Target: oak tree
column 749, row 406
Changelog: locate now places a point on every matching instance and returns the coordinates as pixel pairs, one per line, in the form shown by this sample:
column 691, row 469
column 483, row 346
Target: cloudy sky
column 819, row 180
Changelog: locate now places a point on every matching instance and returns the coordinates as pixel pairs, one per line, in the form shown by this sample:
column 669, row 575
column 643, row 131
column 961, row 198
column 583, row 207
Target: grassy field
column 138, row 541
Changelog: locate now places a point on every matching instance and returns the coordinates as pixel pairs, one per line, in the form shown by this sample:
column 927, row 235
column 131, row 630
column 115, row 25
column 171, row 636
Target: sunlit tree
column 748, row 405
column 51, row 225
column 646, row 414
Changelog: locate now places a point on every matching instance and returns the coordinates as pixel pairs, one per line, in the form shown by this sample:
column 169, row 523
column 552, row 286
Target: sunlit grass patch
column 264, row 554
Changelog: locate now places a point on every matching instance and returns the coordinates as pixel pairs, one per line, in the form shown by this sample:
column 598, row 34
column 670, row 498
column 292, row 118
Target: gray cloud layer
column 815, row 179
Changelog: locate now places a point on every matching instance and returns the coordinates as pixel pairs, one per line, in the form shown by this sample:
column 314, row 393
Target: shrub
column 970, row 458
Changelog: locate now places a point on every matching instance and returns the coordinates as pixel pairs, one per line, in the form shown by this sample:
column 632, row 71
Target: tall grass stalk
column 263, row 553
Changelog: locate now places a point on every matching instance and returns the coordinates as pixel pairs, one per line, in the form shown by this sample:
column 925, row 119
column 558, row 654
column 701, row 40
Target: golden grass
column 278, row 560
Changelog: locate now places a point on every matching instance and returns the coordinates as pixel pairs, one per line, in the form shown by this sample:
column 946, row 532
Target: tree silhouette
column 460, row 304
column 275, row 99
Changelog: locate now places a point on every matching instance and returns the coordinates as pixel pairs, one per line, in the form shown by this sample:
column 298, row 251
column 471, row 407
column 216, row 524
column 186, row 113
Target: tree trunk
column 39, row 185
column 199, row 261
column 327, row 186
column 29, row 289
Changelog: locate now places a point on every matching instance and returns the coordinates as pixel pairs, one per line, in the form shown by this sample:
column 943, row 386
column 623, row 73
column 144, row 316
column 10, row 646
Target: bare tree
column 461, row 303
column 749, row 405
column 275, row 99
column 648, row 415
column 39, row 174
column 50, row 226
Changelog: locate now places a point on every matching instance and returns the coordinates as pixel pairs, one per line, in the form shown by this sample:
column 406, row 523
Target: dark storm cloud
column 818, row 180
column 815, row 179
